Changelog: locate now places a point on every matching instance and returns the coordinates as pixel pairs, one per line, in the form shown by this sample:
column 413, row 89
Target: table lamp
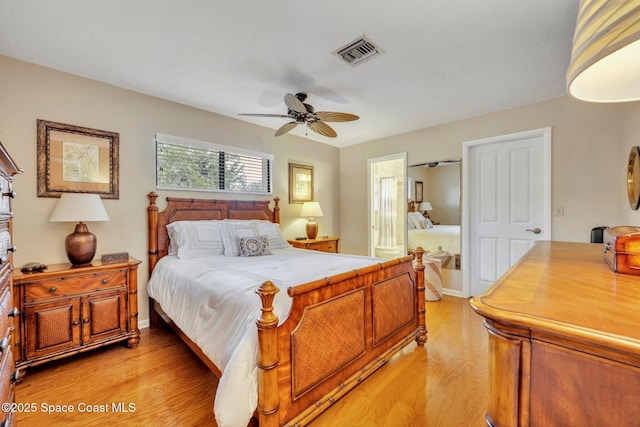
column 425, row 207
column 81, row 244
column 311, row 209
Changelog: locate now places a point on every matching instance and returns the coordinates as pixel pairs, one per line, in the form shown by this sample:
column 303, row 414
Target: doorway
column 506, row 207
column 387, row 206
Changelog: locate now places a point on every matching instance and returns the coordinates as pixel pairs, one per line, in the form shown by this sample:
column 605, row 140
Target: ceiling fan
column 303, row 113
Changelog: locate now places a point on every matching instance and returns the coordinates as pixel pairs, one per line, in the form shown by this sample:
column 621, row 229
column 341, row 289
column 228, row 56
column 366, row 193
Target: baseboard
column 143, row 324
column 453, row 293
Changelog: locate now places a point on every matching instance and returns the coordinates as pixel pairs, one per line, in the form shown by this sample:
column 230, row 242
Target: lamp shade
column 79, row 207
column 605, row 65
column 311, row 209
column 425, row 206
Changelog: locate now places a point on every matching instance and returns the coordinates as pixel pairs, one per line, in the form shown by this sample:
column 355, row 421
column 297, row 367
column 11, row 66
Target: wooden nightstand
column 330, row 244
column 65, row 310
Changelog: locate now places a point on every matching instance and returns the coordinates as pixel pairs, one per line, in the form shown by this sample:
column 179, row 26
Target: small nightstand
column 329, row 244
column 68, row 309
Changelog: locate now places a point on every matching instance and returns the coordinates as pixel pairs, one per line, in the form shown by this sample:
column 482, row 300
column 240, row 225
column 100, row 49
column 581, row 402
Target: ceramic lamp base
column 312, row 230
column 80, row 245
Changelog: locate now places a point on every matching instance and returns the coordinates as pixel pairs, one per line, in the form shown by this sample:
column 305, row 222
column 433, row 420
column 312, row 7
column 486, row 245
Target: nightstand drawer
column 323, row 246
column 74, row 285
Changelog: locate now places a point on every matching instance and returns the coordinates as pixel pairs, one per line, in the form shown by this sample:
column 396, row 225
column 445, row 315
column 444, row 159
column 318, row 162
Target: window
column 186, row 164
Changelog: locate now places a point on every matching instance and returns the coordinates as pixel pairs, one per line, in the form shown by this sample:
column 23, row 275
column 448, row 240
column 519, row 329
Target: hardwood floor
column 163, row 383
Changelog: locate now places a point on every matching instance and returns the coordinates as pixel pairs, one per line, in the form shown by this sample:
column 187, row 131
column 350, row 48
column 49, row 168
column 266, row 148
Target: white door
column 508, row 200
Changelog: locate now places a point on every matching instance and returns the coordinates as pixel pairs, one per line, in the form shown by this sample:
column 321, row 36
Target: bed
column 362, row 315
column 443, row 237
column 434, row 238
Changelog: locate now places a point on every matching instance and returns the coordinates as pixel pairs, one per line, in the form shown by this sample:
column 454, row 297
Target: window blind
column 187, row 164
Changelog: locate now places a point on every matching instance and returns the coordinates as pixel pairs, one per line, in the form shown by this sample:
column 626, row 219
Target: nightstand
column 67, row 309
column 329, row 244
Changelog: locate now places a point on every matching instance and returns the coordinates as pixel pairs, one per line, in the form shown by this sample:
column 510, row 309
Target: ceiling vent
column 358, row 51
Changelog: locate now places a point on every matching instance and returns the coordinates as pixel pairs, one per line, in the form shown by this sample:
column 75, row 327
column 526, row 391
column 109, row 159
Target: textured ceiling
column 443, row 60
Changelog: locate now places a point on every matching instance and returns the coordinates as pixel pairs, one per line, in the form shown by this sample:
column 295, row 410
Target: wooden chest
column 622, row 249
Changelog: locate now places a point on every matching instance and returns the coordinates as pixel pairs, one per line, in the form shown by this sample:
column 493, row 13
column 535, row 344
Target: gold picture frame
column 76, row 159
column 300, row 183
column 419, row 195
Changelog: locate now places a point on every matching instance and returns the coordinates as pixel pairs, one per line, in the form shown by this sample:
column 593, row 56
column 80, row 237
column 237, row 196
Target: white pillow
column 191, row 239
column 410, row 224
column 273, row 233
column 427, row 223
column 232, row 231
column 417, row 219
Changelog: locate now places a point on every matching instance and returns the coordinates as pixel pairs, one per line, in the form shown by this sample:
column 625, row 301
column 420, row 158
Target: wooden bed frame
column 338, row 332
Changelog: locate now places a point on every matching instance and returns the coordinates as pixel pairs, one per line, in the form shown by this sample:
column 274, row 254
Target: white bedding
column 445, row 236
column 213, row 301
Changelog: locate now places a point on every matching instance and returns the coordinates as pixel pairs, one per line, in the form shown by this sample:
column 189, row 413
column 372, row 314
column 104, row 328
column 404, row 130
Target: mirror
column 633, row 178
column 436, row 194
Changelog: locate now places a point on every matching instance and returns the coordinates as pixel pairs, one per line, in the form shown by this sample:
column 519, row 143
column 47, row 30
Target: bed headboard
column 178, row 209
column 411, row 207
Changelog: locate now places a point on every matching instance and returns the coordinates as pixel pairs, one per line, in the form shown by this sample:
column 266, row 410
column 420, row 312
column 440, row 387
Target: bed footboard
column 339, row 331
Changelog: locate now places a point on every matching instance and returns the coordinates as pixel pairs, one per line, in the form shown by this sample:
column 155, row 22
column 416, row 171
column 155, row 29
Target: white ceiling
column 443, row 60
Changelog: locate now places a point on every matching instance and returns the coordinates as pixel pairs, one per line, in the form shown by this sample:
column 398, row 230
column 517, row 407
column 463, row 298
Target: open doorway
column 387, row 206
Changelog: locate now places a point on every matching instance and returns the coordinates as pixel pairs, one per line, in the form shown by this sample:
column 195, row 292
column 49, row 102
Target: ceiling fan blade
column 294, row 103
column 286, row 128
column 263, row 115
column 323, row 129
column 334, row 116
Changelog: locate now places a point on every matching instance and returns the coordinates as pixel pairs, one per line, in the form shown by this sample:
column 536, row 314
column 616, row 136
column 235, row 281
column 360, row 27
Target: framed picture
column 75, row 159
column 300, row 183
column 419, row 192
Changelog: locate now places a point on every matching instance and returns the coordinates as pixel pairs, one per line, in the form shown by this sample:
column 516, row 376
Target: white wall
column 29, row 92
column 630, row 138
column 587, row 150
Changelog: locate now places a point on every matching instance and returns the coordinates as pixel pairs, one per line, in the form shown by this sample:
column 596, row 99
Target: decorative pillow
column 191, row 239
column 232, row 231
column 427, row 223
column 273, row 233
column 254, row 246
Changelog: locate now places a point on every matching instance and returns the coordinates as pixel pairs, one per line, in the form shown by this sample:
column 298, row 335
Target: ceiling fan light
column 605, row 59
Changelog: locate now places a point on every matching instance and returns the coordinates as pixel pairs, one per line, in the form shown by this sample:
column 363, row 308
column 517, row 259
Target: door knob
column 534, row 230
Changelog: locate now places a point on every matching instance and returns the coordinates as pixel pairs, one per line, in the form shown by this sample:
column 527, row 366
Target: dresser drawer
column 5, row 245
column 6, row 304
column 5, row 195
column 72, row 285
column 6, row 370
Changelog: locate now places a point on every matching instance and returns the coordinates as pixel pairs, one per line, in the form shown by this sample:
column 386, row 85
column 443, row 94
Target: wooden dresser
column 564, row 340
column 8, row 312
column 329, row 244
column 70, row 309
